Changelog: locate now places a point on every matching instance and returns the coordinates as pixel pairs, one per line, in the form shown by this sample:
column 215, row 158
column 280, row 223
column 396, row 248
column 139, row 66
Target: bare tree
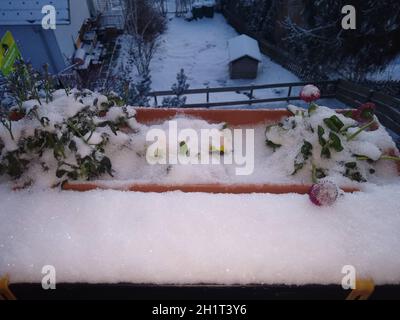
column 145, row 23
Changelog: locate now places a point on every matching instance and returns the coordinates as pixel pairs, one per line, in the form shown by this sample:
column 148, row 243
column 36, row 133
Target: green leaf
column 338, row 123
column 351, row 165
column 73, row 175
column 348, row 114
column 352, row 172
column 334, row 123
column 335, row 142
column 312, row 108
column 321, row 140
column 106, row 163
column 367, row 114
column 272, row 145
column 302, row 157
column 325, row 152
column 60, row 173
column 306, row 150
column 320, row 173
column 72, row 146
column 183, row 148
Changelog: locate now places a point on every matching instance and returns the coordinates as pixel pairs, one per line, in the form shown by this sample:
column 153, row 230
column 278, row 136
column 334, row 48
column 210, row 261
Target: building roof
column 29, row 12
column 242, row 46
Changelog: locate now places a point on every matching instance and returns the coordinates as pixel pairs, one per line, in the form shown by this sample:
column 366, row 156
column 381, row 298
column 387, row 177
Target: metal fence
column 328, row 90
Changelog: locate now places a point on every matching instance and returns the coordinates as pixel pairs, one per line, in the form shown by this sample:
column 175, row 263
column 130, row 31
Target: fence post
column 289, row 93
column 208, row 95
column 370, row 94
column 155, row 100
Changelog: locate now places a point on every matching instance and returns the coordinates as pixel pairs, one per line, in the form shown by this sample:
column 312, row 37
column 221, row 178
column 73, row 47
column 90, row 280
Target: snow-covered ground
column 200, row 47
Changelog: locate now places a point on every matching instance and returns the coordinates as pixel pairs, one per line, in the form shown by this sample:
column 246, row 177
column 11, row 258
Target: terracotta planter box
column 232, row 118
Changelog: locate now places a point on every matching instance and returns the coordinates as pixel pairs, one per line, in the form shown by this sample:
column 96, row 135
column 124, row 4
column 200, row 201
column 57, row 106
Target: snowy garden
column 286, row 193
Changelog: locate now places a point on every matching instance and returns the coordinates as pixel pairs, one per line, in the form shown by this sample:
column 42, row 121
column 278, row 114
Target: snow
column 113, row 236
column 197, row 238
column 242, row 46
column 201, row 48
column 116, row 236
column 365, row 148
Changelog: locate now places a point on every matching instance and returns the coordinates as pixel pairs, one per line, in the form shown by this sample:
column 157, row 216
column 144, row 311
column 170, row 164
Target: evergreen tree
column 137, row 94
column 178, row 89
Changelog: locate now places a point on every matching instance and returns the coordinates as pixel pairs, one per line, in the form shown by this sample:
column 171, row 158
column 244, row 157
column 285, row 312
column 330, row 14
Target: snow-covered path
column 200, row 47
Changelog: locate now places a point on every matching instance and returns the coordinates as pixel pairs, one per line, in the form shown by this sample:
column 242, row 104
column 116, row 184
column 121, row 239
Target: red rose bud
column 324, row 193
column 310, row 93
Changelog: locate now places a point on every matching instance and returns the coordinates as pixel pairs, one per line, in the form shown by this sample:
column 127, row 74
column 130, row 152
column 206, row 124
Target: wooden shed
column 244, row 57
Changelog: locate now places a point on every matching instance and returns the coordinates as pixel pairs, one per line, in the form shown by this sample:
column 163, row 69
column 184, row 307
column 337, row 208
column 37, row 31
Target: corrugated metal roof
column 242, row 46
column 29, row 12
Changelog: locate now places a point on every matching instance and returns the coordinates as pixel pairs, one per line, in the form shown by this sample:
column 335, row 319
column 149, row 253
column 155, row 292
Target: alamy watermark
column 209, row 146
column 349, row 20
column 49, row 277
column 349, row 280
column 50, row 17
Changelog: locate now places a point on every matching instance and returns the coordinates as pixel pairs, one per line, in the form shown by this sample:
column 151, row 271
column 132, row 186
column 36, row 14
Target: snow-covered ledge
column 176, row 238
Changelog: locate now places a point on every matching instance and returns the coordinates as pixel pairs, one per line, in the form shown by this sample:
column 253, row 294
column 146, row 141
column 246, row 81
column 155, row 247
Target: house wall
column 37, row 45
column 66, row 35
column 244, row 68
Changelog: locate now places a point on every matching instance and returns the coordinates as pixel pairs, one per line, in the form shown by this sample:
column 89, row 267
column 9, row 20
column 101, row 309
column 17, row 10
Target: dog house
column 244, row 57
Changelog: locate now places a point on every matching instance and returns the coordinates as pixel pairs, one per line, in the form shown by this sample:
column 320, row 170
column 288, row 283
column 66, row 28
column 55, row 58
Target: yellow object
column 9, row 53
column 5, row 291
column 364, row 289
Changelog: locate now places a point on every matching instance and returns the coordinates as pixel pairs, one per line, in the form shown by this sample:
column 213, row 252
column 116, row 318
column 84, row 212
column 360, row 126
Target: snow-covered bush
column 66, row 137
column 178, row 89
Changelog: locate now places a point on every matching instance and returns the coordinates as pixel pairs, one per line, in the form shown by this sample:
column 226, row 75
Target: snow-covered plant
column 178, row 89
column 48, row 84
column 23, row 83
column 66, row 137
column 326, row 142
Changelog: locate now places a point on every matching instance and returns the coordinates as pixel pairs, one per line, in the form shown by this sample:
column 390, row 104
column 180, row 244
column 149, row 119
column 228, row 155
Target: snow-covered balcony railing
column 329, row 89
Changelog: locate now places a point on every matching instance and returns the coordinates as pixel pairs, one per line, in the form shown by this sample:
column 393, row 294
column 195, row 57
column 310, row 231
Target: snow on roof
column 242, row 46
column 29, row 12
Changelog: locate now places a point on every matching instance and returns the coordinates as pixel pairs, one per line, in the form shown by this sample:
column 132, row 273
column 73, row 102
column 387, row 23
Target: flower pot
column 232, row 118
column 16, row 115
